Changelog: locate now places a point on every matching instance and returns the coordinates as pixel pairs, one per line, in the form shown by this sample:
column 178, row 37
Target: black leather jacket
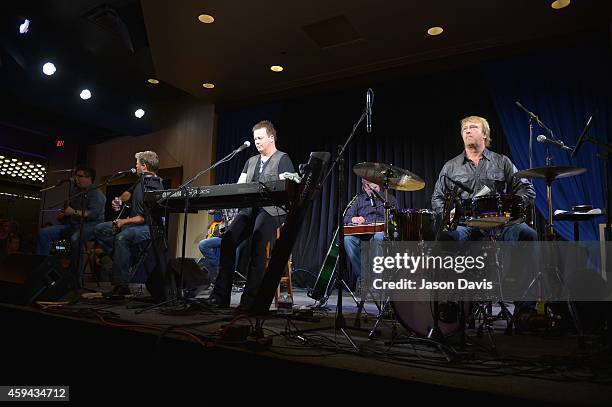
column 494, row 171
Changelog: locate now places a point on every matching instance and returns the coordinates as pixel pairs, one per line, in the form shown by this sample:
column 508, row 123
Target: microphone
column 130, row 171
column 544, row 140
column 461, row 185
column 244, row 145
column 369, row 101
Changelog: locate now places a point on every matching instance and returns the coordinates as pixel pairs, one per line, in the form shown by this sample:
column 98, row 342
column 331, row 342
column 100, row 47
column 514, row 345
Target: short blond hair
column 148, row 158
column 486, row 129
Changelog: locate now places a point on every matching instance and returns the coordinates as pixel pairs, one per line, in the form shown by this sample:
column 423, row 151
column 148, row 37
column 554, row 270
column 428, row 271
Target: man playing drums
column 478, row 168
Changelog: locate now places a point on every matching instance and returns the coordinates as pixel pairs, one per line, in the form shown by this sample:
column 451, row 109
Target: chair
column 286, row 278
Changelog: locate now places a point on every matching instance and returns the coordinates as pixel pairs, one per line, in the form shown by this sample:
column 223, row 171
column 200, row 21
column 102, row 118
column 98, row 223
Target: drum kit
column 488, row 212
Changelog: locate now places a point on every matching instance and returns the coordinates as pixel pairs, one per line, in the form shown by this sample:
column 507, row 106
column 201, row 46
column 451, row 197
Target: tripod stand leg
column 379, row 318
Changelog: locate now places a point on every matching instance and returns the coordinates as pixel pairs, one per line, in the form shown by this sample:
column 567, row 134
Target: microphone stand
column 185, row 191
column 340, row 322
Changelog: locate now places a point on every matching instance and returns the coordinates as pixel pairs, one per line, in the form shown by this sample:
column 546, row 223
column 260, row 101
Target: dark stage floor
column 101, row 348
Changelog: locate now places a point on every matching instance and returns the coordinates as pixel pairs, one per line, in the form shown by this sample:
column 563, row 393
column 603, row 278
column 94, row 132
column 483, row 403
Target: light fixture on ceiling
column 276, row 68
column 206, row 18
column 85, row 94
column 48, row 68
column 559, row 4
column 208, row 85
column 153, row 81
column 139, row 113
column 433, row 31
column 24, row 27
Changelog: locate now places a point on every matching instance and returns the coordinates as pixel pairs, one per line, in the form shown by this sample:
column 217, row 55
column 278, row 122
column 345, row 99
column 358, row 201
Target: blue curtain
column 563, row 87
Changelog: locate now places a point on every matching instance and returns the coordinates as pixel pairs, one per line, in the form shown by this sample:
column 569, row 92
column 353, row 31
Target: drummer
column 366, row 208
column 479, row 168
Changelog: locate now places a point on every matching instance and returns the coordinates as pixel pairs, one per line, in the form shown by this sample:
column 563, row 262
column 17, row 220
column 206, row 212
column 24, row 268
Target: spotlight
column 85, row 94
column 139, row 113
column 48, row 68
column 24, row 27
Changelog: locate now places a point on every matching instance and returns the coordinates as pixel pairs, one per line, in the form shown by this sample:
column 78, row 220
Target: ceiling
column 323, row 41
column 112, row 47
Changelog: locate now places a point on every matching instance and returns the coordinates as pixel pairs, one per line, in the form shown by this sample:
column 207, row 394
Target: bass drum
column 414, row 225
column 417, row 316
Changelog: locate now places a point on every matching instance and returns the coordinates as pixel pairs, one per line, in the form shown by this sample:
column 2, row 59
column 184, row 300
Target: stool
column 286, row 278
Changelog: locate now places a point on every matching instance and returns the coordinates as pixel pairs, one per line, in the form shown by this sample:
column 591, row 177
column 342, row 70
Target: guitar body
column 364, row 229
column 324, row 281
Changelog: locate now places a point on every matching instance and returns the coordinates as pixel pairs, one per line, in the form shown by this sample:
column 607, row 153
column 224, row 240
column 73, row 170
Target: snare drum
column 412, row 225
column 491, row 211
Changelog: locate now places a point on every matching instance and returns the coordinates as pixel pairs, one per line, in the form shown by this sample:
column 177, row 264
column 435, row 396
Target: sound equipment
column 25, row 278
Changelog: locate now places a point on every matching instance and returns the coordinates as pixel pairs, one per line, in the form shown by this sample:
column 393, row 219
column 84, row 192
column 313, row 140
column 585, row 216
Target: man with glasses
column 78, row 219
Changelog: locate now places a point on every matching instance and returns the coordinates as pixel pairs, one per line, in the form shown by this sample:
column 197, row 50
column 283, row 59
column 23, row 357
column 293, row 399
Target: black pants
column 261, row 228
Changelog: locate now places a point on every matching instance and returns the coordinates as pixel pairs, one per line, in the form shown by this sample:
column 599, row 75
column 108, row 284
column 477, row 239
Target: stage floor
column 538, row 367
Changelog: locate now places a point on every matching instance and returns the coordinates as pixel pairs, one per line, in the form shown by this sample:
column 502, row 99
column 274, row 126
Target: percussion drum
column 491, row 211
column 412, row 225
column 417, row 316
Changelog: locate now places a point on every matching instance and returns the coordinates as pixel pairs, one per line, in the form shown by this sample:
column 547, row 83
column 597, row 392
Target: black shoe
column 214, row 302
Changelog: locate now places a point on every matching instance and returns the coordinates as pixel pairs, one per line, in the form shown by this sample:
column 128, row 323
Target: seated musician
column 478, row 167
column 88, row 207
column 117, row 241
column 259, row 224
column 366, row 208
column 211, row 246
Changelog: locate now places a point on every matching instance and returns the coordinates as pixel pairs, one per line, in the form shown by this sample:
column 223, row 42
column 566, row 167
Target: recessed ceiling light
column 24, row 27
column 435, row 31
column 208, row 85
column 48, row 68
column 206, row 18
column 85, row 94
column 276, row 68
column 153, row 81
column 559, row 4
column 139, row 113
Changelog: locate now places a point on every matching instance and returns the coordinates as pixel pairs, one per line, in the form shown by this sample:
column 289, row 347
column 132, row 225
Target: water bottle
column 285, row 305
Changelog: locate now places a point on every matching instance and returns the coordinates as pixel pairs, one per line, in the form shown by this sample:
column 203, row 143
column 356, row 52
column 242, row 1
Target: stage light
column 139, row 113
column 276, row 68
column 433, row 31
column 153, row 81
column 559, row 4
column 85, row 94
column 48, row 68
column 208, row 85
column 206, row 18
column 24, row 27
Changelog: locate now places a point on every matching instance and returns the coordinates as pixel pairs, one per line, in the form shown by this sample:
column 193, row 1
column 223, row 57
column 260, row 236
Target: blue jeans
column 56, row 232
column 513, row 233
column 211, row 250
column 352, row 245
column 119, row 247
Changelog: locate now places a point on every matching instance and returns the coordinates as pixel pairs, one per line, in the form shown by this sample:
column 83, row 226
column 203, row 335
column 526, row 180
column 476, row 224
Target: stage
column 106, row 348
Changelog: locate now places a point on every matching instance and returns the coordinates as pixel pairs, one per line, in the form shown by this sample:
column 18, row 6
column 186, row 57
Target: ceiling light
column 435, row 31
column 153, row 81
column 559, row 4
column 206, row 18
column 208, row 85
column 139, row 113
column 85, row 94
column 24, row 27
column 276, row 68
column 48, row 68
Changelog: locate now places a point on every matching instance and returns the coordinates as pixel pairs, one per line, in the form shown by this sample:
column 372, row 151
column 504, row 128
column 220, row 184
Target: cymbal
column 399, row 179
column 551, row 172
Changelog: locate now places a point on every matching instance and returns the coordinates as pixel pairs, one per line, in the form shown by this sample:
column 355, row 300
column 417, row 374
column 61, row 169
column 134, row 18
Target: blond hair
column 486, row 129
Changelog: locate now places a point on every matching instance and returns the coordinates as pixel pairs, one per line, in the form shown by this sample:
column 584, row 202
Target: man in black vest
column 259, row 224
